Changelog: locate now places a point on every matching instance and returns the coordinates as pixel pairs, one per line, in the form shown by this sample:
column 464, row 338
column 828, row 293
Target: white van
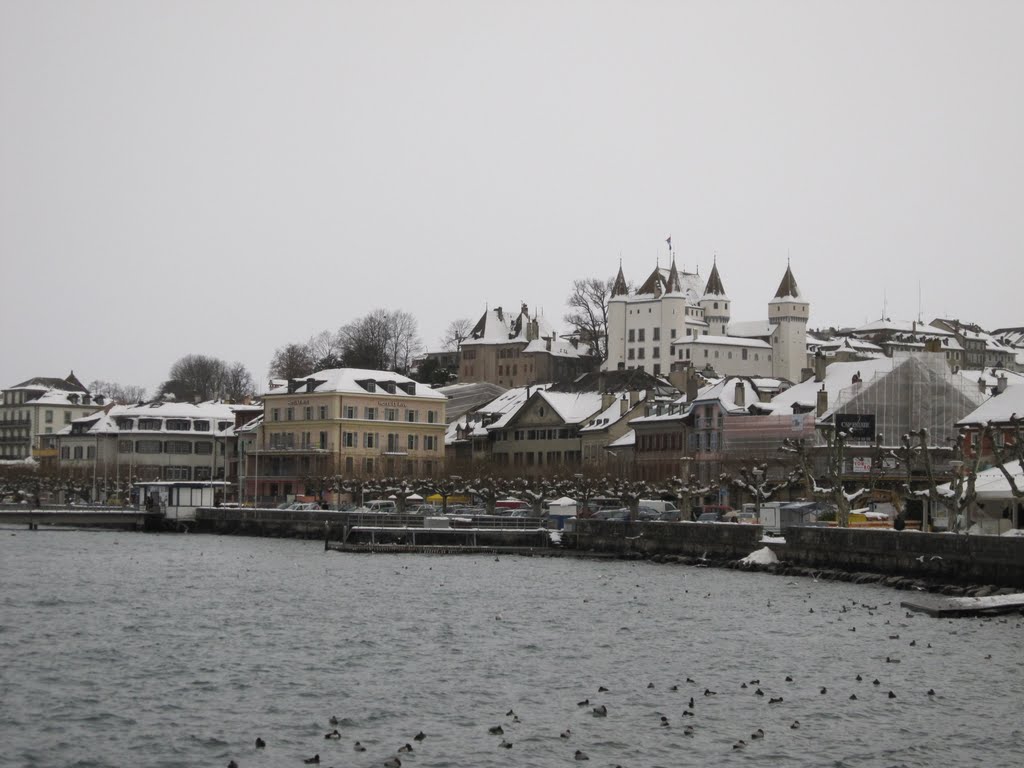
column 382, row 507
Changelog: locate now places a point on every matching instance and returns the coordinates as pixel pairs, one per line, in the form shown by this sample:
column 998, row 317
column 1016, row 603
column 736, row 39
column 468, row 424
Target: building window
column 348, row 439
column 148, row 446
column 289, row 414
column 349, row 465
column 657, row 369
column 203, row 448
column 391, row 414
column 656, row 333
column 371, row 414
column 429, row 442
column 411, row 415
column 640, row 353
column 309, row 413
column 632, row 335
column 369, row 466
column 49, row 417
column 369, row 440
column 67, row 417
column 78, row 452
column 177, row 446
column 275, row 414
column 431, row 417
column 178, row 425
column 149, row 425
column 656, row 353
column 323, row 440
column 323, row 412
column 177, row 473
column 202, row 426
column 743, row 354
column 630, row 354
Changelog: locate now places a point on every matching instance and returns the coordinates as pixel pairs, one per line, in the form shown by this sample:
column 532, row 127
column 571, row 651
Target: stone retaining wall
column 715, row 541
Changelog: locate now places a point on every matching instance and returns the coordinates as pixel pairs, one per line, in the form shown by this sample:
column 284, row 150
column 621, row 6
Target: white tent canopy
column 992, row 485
column 565, row 501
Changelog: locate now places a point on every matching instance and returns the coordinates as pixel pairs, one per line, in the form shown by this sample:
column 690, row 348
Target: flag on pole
column 669, row 241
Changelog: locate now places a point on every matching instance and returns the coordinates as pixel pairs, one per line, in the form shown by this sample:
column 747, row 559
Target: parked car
column 718, row 516
column 622, row 513
column 747, row 517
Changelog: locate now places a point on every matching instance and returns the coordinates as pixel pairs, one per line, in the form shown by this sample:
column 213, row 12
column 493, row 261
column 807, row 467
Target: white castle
column 674, row 318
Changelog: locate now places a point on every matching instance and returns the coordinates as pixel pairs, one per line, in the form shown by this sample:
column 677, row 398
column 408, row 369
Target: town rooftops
column 999, row 408
column 356, row 381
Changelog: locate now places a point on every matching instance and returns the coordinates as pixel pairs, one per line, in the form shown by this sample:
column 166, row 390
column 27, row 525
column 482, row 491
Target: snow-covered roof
column 573, row 407
column 559, row 348
column 838, row 376
column 627, row 440
column 998, row 408
column 357, row 381
column 507, row 404
column 885, row 324
column 106, row 422
column 850, row 343
column 723, row 341
column 497, row 326
column 752, row 329
column 603, row 420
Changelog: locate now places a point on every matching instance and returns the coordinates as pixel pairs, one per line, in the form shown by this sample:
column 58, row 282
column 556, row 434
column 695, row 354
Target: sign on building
column 857, row 426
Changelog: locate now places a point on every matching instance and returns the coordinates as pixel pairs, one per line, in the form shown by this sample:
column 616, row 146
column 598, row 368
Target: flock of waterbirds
column 683, row 713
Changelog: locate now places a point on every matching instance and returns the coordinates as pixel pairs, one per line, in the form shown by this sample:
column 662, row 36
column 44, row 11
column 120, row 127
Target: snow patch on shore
column 762, row 556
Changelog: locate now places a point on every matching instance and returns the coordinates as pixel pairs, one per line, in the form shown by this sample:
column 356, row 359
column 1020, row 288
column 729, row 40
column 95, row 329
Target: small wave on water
column 119, row 668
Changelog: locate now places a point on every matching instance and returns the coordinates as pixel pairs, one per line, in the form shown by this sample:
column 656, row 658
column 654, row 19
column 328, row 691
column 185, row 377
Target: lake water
column 123, row 649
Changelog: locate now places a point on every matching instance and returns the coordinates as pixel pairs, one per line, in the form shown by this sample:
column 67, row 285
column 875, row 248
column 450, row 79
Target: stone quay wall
column 940, row 557
column 908, row 558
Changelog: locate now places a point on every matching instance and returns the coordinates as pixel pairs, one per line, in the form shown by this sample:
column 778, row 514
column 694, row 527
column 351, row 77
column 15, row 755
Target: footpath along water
column 133, row 649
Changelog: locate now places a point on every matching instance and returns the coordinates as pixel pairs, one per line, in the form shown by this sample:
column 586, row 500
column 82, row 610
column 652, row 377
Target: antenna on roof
column 919, row 311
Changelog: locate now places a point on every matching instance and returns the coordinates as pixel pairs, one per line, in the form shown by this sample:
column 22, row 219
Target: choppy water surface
column 130, row 649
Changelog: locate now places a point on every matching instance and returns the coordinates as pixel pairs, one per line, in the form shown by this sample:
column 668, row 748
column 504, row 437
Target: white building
column 675, row 318
column 38, row 407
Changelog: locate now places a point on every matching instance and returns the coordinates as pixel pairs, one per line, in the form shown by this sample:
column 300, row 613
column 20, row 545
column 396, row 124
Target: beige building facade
column 349, row 422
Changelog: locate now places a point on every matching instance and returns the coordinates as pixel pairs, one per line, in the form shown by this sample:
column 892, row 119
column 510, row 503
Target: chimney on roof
column 1001, row 384
column 691, row 385
column 822, row 404
column 981, row 384
column 634, row 397
column 624, row 405
column 819, row 367
column 607, row 398
column 740, row 395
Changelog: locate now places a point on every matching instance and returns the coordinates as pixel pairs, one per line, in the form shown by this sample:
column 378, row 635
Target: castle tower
column 715, row 304
column 617, row 323
column 789, row 313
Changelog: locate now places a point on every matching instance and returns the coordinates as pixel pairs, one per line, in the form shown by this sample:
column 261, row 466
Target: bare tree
column 381, row 340
column 238, row 383
column 456, row 333
column 124, row 394
column 291, row 361
column 403, row 340
column 201, row 377
column 588, row 313
column 835, row 456
column 326, row 349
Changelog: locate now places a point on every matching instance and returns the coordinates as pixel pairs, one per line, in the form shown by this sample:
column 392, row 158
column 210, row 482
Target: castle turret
column 617, row 322
column 789, row 313
column 715, row 304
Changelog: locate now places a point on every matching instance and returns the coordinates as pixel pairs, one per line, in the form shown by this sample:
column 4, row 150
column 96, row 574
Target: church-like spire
column 673, row 285
column 787, row 288
column 619, row 288
column 714, row 286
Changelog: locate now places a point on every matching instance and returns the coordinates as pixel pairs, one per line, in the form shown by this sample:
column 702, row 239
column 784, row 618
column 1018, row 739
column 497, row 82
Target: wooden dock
column 131, row 519
column 953, row 607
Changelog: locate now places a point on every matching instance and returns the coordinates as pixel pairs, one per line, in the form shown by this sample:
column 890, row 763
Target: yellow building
column 344, row 421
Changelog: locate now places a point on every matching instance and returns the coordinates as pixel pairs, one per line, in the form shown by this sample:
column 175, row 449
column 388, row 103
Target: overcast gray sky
column 227, row 177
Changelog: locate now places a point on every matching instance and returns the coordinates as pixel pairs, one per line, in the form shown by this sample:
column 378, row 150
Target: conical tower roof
column 788, row 288
column 619, row 288
column 714, row 286
column 673, row 285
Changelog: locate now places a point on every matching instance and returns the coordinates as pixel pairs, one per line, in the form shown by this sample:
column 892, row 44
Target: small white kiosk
column 179, row 499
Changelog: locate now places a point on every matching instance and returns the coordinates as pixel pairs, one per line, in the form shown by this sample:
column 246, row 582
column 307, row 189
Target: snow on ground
column 770, row 539
column 762, row 556
column 1013, row 532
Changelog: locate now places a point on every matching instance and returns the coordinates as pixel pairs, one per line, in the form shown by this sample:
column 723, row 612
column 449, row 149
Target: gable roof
column 356, row 381
column 714, row 286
